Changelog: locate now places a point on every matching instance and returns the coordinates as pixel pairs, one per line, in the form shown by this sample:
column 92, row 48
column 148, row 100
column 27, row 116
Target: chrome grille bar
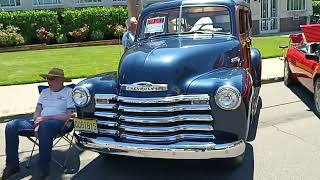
column 166, row 138
column 107, row 123
column 108, row 132
column 172, row 129
column 164, row 109
column 107, row 106
column 163, row 120
column 158, row 100
column 106, row 114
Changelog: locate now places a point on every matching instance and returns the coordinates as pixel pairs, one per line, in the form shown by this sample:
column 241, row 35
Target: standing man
column 128, row 36
column 55, row 106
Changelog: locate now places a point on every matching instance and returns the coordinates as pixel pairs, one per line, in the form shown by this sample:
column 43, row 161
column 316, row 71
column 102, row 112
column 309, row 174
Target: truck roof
column 175, row 3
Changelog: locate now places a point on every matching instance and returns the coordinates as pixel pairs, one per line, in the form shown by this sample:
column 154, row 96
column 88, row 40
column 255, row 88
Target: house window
column 296, row 5
column 45, row 2
column 87, row 1
column 6, row 3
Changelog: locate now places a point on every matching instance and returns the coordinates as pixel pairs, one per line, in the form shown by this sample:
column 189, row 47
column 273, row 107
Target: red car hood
column 311, row 32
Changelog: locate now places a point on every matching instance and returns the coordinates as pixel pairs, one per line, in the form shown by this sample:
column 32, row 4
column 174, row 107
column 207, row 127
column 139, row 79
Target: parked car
column 302, row 61
column 186, row 89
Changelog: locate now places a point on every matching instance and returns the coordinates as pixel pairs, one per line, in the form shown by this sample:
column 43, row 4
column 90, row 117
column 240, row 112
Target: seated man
column 55, row 106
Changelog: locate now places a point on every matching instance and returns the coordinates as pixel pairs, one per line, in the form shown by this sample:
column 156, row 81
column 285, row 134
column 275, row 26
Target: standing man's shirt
column 56, row 103
column 127, row 40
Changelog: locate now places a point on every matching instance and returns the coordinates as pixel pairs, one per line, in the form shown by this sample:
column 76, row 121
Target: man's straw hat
column 56, row 72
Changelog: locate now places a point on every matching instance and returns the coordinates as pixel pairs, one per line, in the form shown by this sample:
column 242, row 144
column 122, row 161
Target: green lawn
column 269, row 46
column 24, row 67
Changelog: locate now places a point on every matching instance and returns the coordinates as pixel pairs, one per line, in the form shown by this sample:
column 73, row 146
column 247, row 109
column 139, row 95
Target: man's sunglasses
column 51, row 78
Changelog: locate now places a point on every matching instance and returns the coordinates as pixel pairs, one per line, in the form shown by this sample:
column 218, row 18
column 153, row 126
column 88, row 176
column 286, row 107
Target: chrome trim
column 175, row 108
column 106, row 96
column 107, row 106
column 171, row 119
column 165, row 139
column 235, row 90
column 189, row 127
column 86, row 91
column 108, row 132
column 107, row 123
column 106, row 114
column 144, row 87
column 179, row 150
column 170, row 99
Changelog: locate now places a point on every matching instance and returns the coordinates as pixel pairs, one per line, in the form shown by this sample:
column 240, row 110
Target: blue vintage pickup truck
column 187, row 88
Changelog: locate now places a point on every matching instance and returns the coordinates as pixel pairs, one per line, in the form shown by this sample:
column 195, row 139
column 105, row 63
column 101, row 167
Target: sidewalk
column 22, row 99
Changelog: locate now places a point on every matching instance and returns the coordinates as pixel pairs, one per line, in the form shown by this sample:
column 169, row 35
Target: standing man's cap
column 56, row 72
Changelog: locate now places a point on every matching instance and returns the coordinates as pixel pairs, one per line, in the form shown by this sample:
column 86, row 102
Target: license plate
column 86, row 125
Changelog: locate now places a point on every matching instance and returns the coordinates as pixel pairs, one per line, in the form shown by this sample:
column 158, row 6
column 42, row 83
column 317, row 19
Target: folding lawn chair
column 66, row 134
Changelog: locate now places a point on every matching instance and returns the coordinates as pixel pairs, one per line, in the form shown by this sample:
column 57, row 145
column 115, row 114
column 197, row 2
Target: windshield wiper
column 159, row 35
column 199, row 32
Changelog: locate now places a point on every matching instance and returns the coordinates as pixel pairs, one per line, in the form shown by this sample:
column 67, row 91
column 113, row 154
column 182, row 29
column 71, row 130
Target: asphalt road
column 286, row 146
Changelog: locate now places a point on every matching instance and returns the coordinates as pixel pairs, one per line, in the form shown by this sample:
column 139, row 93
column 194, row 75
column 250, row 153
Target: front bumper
column 181, row 150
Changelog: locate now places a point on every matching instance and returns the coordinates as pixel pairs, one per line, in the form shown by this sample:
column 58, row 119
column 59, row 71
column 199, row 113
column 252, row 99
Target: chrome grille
column 155, row 120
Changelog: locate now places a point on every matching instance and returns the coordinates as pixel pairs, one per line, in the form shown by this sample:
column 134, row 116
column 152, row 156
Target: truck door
column 244, row 25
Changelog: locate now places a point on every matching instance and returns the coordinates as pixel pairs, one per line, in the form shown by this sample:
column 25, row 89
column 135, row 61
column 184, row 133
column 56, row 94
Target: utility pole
column 134, row 8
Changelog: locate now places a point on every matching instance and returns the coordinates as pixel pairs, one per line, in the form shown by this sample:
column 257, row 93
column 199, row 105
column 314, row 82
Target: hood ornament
column 144, row 87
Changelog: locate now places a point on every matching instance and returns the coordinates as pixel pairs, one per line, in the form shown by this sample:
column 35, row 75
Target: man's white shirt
column 56, row 103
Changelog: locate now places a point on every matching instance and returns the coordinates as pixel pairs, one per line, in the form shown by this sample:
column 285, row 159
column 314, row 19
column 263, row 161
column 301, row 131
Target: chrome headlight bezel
column 83, row 90
column 228, row 89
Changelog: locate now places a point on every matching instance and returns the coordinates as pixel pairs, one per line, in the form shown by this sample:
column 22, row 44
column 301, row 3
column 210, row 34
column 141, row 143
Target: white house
column 8, row 5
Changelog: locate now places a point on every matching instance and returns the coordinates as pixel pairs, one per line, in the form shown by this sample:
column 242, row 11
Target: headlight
column 81, row 96
column 228, row 98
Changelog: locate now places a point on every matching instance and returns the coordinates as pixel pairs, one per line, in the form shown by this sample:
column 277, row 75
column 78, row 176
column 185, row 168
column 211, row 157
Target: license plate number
column 86, row 125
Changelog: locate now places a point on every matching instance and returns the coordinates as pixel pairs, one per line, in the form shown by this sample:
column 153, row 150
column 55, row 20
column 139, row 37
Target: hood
column 311, row 33
column 175, row 61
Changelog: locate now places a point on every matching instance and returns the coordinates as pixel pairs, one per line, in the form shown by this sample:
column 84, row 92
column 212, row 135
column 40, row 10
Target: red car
column 302, row 61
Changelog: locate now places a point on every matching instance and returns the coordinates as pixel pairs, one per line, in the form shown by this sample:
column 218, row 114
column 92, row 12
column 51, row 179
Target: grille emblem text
column 144, row 87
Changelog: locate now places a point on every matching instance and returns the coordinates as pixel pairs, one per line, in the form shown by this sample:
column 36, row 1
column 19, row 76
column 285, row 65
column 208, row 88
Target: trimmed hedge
column 61, row 22
column 29, row 21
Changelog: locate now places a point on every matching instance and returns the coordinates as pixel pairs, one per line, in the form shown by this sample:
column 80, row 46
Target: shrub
column 119, row 30
column 9, row 36
column 316, row 7
column 96, row 35
column 97, row 18
column 44, row 35
column 61, row 38
column 80, row 33
column 30, row 21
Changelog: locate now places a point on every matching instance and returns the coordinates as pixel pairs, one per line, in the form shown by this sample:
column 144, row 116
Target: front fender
column 257, row 68
column 234, row 121
column 102, row 84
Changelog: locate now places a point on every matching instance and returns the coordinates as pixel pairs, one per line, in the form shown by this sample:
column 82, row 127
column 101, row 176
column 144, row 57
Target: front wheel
column 316, row 97
column 288, row 78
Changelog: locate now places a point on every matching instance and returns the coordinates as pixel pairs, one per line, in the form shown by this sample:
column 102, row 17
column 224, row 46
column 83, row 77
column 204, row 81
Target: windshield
column 211, row 19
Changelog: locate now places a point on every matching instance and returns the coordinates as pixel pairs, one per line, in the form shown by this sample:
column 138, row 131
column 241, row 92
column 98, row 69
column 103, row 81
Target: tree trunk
column 134, row 8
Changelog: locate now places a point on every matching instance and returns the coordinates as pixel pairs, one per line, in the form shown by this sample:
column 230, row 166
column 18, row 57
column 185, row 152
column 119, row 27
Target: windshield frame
column 181, row 7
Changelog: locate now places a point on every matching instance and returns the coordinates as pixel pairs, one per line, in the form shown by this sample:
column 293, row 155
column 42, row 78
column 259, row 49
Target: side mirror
column 127, row 40
column 312, row 57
